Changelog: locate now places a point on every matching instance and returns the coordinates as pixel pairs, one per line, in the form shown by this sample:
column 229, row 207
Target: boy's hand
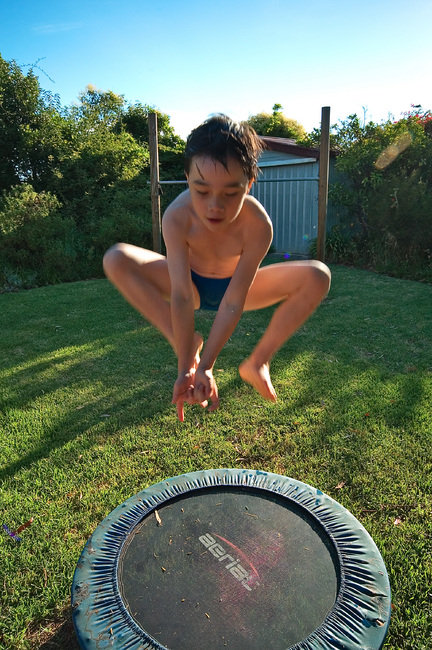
column 183, row 393
column 205, row 388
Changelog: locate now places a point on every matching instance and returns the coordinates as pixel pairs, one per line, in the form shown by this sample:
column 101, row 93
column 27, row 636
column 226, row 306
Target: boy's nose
column 216, row 204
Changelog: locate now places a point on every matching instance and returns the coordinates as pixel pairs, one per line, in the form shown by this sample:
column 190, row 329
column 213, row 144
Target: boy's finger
column 199, row 394
column 180, row 410
column 215, row 400
column 214, row 405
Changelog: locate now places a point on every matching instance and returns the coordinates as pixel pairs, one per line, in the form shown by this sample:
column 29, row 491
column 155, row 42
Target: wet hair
column 220, row 138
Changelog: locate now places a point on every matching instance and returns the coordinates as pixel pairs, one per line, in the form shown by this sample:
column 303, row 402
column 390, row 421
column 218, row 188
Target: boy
column 216, row 236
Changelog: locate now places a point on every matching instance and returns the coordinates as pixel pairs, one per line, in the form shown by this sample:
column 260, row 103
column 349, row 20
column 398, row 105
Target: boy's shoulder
column 255, row 207
column 180, row 203
column 256, row 215
column 178, row 211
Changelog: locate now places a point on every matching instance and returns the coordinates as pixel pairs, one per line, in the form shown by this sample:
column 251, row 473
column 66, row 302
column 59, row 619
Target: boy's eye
column 228, row 195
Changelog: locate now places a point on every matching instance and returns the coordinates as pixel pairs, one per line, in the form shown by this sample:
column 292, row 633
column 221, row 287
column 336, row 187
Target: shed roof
column 287, row 145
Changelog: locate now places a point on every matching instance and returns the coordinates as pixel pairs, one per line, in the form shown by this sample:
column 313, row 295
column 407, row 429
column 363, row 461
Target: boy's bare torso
column 216, row 253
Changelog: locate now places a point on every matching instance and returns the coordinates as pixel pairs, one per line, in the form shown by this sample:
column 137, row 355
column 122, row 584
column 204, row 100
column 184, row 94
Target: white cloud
column 54, row 28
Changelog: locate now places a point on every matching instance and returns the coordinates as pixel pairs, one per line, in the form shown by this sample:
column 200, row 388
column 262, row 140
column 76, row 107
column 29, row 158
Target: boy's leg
column 142, row 278
column 299, row 287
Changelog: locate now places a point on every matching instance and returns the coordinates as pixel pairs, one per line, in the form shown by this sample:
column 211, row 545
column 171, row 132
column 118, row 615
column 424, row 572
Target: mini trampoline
column 229, row 558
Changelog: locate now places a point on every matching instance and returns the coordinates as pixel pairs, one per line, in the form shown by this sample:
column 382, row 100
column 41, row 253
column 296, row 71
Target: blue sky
column 192, row 58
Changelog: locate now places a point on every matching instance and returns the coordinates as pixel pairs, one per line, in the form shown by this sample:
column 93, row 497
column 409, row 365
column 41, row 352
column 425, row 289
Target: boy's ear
column 251, row 182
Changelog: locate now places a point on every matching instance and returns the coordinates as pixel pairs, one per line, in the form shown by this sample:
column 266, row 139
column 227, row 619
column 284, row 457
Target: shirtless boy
column 216, row 236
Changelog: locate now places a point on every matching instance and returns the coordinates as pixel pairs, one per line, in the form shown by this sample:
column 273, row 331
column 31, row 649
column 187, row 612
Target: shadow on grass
column 117, row 369
column 56, row 634
column 117, row 393
column 127, row 388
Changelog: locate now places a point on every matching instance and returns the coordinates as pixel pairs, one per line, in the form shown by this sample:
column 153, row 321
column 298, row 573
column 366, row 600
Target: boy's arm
column 232, row 305
column 182, row 304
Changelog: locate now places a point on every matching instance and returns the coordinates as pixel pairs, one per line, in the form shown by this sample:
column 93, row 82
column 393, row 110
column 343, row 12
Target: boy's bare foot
column 259, row 378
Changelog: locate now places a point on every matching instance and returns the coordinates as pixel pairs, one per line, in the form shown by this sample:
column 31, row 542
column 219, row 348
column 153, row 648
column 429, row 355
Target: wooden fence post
column 323, row 181
column 154, row 179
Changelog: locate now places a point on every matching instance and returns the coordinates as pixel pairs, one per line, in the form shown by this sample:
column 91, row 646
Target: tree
column 97, row 109
column 29, row 128
column 102, row 178
column 276, row 124
column 73, row 180
column 134, row 120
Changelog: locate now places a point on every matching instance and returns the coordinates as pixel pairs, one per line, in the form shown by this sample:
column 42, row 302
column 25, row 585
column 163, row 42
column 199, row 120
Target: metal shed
column 288, row 189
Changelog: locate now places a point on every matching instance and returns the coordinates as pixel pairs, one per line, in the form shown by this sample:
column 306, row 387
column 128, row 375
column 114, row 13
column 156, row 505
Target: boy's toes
column 259, row 378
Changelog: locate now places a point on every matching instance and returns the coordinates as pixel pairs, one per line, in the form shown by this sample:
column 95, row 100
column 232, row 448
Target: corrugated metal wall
column 288, row 189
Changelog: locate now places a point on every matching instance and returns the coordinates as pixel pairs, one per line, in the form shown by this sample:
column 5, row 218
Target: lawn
column 86, row 422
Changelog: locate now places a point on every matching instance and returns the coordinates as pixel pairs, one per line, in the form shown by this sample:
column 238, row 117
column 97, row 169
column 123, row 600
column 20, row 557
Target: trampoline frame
column 359, row 618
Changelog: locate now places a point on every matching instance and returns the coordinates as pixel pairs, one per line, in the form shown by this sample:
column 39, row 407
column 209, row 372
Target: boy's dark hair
column 220, row 137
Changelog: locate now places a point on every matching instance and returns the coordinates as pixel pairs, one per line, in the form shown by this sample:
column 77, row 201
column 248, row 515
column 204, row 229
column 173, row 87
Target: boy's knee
column 113, row 260
column 321, row 275
column 314, row 280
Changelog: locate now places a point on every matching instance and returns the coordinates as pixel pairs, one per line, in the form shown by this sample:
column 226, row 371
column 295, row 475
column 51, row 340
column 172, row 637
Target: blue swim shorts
column 211, row 290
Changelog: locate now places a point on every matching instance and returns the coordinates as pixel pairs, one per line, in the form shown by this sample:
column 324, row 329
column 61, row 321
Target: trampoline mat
column 228, row 567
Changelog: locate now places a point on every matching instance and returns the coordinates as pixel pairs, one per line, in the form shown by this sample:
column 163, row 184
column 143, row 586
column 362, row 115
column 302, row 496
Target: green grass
column 86, row 422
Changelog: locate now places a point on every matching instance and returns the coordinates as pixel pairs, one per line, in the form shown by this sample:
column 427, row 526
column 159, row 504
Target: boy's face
column 217, row 193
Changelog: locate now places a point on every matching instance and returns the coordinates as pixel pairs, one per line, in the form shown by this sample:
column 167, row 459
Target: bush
column 117, row 214
column 35, row 240
column 386, row 192
column 41, row 243
column 340, row 247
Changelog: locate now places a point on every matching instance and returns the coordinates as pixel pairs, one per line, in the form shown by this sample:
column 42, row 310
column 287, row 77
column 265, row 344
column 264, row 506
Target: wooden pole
column 323, row 181
column 154, row 180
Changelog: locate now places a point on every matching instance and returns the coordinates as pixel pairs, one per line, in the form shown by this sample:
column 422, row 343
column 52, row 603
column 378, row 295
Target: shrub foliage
column 73, row 180
column 385, row 188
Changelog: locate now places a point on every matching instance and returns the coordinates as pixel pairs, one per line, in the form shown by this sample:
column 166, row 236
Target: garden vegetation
column 384, row 195
column 74, row 180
